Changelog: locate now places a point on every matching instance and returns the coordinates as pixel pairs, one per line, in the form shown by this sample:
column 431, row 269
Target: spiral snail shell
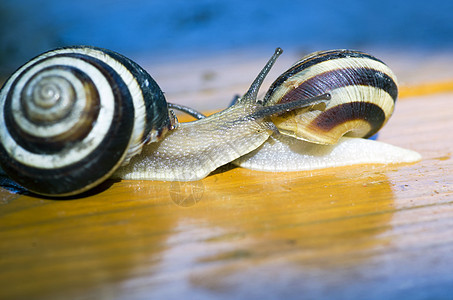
column 363, row 89
column 73, row 115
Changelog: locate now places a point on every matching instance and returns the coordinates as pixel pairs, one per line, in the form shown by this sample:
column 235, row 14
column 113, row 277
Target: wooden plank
column 369, row 232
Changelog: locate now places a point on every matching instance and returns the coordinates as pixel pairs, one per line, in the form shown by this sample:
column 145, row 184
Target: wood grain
column 365, row 232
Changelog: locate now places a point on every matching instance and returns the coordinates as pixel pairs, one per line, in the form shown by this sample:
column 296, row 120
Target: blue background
column 162, row 28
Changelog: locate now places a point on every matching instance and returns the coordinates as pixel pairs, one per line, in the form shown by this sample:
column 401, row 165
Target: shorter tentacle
column 188, row 110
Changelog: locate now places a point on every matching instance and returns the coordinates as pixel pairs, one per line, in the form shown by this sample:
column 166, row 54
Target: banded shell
column 363, row 94
column 73, row 115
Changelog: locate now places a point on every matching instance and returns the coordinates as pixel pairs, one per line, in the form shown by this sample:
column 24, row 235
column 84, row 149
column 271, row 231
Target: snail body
column 73, row 115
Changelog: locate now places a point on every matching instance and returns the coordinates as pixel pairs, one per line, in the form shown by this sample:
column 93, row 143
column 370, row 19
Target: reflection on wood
column 370, row 232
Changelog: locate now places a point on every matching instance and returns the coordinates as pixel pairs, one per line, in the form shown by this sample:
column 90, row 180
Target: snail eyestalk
column 188, row 110
column 252, row 93
column 289, row 106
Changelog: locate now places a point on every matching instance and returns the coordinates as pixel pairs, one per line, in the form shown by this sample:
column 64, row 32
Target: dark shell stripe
column 315, row 59
column 58, row 143
column 155, row 103
column 337, row 78
column 320, row 57
column 346, row 112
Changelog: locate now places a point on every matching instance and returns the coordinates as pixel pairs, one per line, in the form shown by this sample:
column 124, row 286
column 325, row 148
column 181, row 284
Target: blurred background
column 158, row 32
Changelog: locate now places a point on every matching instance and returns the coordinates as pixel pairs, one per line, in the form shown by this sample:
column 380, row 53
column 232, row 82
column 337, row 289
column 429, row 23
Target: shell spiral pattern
column 73, row 115
column 363, row 90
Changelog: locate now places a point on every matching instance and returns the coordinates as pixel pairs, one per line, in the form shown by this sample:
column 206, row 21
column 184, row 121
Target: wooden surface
column 365, row 232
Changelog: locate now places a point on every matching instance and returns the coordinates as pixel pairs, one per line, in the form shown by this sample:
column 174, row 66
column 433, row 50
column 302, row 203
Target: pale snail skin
column 71, row 116
column 364, row 92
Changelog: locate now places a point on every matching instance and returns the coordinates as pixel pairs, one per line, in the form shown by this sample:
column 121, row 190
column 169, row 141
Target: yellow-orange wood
column 351, row 232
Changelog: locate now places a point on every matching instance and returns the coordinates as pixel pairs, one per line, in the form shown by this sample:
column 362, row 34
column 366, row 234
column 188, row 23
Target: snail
column 74, row 116
column 363, row 91
column 60, row 111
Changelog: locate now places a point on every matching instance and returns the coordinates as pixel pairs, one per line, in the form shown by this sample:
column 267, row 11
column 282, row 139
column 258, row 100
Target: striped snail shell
column 73, row 115
column 363, row 90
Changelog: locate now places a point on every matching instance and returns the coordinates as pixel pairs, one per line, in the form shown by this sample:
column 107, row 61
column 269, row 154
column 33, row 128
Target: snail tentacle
column 188, row 110
column 252, row 94
column 282, row 108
